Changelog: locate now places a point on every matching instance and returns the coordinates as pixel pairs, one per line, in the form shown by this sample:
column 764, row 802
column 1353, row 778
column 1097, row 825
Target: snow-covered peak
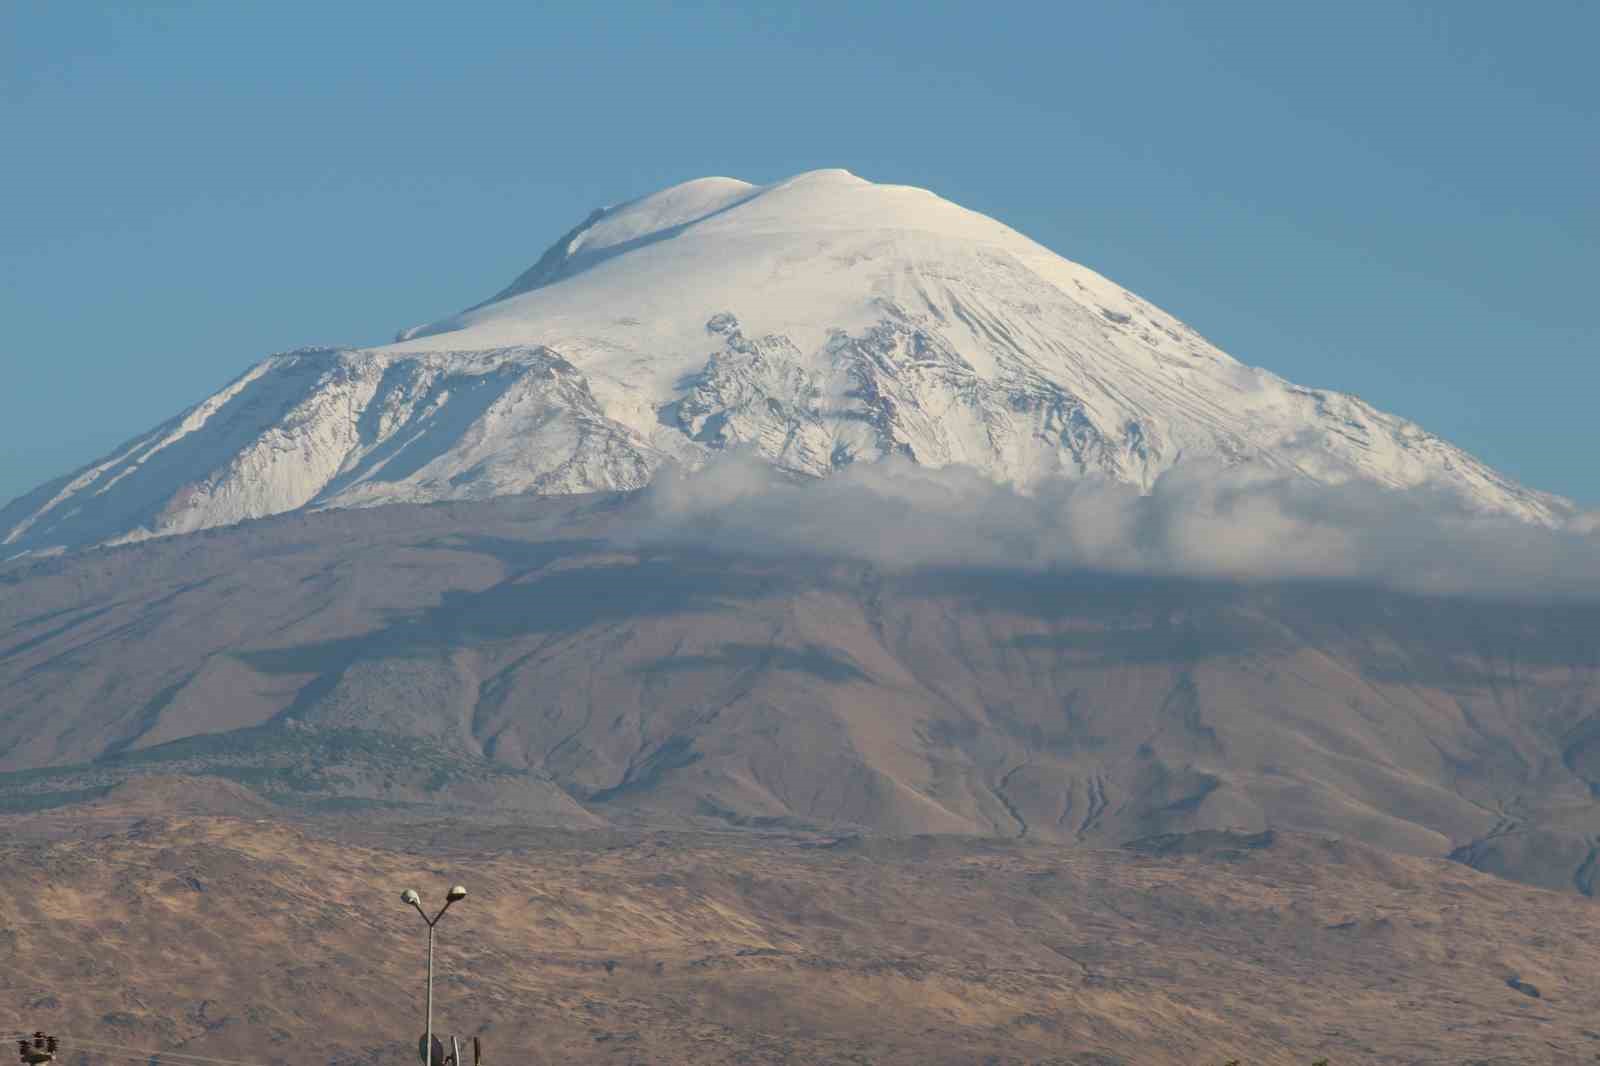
column 717, row 230
column 818, row 321
column 669, row 209
column 801, row 257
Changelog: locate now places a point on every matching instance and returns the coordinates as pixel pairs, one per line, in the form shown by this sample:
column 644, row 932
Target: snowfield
column 817, row 322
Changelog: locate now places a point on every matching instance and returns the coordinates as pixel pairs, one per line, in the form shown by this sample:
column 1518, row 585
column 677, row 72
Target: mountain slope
column 820, row 321
column 508, row 656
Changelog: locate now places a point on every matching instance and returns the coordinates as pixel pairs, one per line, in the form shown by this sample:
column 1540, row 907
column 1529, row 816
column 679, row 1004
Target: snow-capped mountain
column 819, row 321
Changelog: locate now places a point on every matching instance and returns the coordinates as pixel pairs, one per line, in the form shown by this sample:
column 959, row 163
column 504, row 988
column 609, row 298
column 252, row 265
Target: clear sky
column 1392, row 198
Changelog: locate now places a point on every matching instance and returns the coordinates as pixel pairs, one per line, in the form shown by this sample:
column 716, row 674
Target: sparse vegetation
column 686, row 688
column 732, row 948
column 293, row 766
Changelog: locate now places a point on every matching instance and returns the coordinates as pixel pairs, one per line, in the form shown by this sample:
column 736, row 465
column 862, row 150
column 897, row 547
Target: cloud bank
column 1198, row 521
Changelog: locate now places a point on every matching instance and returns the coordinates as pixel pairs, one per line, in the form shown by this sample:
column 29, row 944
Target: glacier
column 815, row 322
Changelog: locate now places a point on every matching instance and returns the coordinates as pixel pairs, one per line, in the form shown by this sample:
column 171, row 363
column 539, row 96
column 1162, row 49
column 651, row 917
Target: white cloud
column 1198, row 521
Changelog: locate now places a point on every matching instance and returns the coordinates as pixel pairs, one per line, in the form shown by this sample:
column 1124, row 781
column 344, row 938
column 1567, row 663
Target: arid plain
column 129, row 924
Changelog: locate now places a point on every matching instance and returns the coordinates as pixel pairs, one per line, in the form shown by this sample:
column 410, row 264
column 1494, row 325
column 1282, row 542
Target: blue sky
column 1390, row 198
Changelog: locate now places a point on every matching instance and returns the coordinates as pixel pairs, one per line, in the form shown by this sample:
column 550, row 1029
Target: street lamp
column 410, row 897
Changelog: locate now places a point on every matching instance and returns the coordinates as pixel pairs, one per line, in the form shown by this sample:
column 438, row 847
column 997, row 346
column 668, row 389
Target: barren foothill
column 283, row 941
column 476, row 660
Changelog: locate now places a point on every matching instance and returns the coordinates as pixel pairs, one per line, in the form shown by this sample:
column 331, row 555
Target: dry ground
column 272, row 941
column 508, row 655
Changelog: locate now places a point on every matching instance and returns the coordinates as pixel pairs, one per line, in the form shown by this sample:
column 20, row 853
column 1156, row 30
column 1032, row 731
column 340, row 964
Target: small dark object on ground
column 1522, row 986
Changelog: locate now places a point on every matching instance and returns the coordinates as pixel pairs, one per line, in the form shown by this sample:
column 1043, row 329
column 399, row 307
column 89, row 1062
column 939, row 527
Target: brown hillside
column 267, row 942
column 505, row 657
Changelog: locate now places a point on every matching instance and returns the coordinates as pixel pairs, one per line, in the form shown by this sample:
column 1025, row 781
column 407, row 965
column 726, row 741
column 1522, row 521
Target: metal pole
column 455, row 1052
column 427, row 1056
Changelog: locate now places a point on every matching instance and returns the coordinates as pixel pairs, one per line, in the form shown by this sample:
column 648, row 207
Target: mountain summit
column 819, row 321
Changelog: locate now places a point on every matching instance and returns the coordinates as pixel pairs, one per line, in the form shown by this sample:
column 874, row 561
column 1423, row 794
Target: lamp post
column 409, row 896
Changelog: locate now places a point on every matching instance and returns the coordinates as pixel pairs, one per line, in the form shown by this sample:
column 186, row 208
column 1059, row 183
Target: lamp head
column 410, row 896
column 456, row 892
